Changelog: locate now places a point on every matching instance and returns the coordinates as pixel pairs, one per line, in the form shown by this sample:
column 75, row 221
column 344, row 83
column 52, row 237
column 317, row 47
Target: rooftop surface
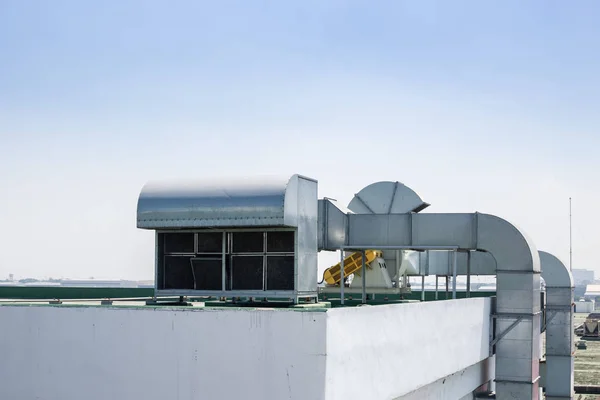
column 587, row 362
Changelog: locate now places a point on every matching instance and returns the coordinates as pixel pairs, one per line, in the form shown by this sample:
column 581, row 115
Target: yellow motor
column 352, row 263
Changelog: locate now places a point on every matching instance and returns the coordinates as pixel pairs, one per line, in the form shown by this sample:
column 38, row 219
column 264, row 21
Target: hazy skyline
column 477, row 106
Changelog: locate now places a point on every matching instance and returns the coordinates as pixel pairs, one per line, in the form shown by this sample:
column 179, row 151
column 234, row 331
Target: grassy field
column 587, row 363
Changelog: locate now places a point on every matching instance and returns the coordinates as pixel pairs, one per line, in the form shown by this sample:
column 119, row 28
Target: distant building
column 583, row 306
column 592, row 291
column 583, row 276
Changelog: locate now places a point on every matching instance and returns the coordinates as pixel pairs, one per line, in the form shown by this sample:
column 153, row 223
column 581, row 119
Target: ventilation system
column 233, row 238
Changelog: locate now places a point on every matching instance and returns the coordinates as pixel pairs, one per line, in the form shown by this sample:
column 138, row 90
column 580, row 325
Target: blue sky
column 487, row 106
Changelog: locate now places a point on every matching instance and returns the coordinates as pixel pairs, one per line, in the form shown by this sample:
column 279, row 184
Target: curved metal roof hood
column 266, row 201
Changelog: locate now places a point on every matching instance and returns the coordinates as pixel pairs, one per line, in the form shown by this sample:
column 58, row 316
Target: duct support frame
column 362, row 249
column 468, row 274
column 364, row 277
column 454, row 263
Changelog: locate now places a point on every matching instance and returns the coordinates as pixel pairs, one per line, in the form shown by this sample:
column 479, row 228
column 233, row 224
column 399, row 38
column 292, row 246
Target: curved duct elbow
column 387, row 198
column 510, row 246
column 554, row 271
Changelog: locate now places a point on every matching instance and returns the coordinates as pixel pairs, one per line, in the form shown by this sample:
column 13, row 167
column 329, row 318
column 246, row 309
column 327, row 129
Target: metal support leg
column 398, row 269
column 436, row 287
column 468, row 274
column 364, row 277
column 454, row 262
column 423, row 288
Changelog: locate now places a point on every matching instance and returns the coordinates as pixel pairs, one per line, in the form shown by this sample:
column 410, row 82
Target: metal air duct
column 518, row 279
column 559, row 328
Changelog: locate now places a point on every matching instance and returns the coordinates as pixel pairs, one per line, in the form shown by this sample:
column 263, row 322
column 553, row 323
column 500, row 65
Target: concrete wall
column 93, row 353
column 373, row 352
column 385, row 352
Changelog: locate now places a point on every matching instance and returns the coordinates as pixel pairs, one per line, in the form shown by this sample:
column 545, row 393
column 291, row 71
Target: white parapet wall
column 94, row 353
column 386, row 352
column 376, row 352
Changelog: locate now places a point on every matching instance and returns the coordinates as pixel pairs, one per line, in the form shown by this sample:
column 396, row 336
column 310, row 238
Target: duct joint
column 475, row 230
column 411, row 228
column 389, row 211
column 522, row 382
column 515, row 315
column 559, row 308
column 514, row 271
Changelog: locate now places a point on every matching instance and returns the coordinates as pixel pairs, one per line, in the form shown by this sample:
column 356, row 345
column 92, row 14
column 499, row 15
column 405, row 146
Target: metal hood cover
column 204, row 203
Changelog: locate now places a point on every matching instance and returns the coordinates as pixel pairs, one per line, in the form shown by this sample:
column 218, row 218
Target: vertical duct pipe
column 518, row 306
column 559, row 328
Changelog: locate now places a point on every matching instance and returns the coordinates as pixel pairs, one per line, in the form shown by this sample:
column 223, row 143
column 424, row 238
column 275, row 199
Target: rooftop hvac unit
column 234, row 239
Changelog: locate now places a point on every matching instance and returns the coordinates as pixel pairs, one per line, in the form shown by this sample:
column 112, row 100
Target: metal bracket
column 549, row 316
column 519, row 317
column 559, row 307
column 501, row 335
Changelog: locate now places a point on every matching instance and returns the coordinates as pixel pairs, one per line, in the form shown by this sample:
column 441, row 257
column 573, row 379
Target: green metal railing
column 72, row 293
column 80, row 293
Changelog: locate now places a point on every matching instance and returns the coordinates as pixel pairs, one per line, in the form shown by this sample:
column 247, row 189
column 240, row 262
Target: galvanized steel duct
column 559, row 316
column 480, row 263
column 517, row 269
column 559, row 328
